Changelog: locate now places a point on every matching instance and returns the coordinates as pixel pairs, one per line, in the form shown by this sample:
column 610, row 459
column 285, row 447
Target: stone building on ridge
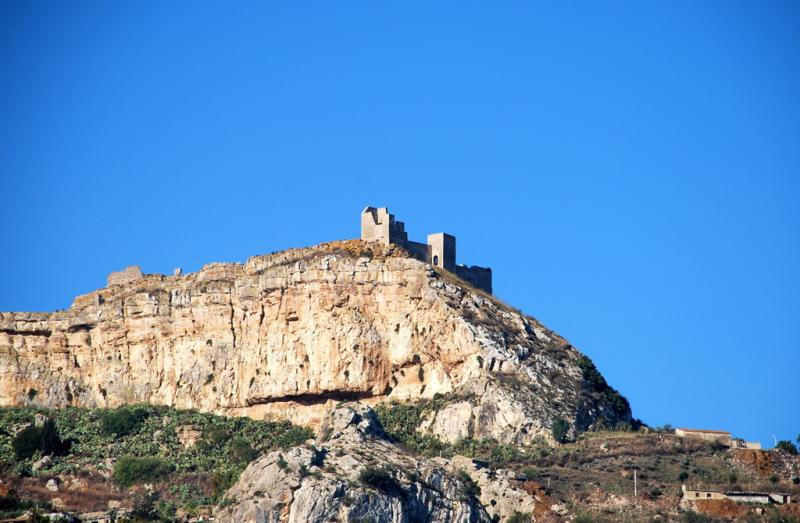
column 378, row 225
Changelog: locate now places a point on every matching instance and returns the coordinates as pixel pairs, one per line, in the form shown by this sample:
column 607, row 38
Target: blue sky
column 630, row 170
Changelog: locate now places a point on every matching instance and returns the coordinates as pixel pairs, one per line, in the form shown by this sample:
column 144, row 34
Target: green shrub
column 787, row 446
column 144, row 507
column 282, row 463
column 560, row 429
column 122, row 421
column 215, row 435
column 130, row 470
column 44, row 439
column 378, row 478
column 695, row 517
column 519, row 517
column 469, row 489
column 503, row 453
column 241, row 451
column 223, row 479
column 683, row 476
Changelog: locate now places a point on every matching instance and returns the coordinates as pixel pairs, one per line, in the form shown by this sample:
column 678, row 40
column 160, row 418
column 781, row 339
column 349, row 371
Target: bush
column 773, row 478
column 44, row 439
column 121, row 421
column 469, row 489
column 378, row 478
column 560, row 429
column 241, row 451
column 223, row 479
column 519, row 517
column 144, row 507
column 787, row 446
column 130, row 470
column 683, row 476
column 695, row 517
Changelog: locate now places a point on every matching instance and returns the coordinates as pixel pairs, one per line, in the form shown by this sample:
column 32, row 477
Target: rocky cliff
column 291, row 334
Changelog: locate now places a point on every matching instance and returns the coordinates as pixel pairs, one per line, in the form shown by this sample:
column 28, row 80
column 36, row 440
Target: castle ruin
column 378, row 225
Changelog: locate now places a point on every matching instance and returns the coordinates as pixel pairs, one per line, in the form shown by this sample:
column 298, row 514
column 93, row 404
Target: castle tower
column 443, row 251
column 378, row 225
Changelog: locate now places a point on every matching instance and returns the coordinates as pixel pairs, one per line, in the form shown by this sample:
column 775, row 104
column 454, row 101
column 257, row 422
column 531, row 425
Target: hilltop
column 345, row 381
column 288, row 335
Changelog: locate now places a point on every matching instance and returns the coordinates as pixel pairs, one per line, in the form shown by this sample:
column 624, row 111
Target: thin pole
column 634, row 484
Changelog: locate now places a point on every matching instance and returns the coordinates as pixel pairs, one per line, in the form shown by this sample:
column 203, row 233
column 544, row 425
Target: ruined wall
column 478, row 277
column 420, row 251
column 377, row 224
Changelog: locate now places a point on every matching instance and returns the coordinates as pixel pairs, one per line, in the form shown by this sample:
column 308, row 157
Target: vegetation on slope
column 114, row 451
column 594, row 474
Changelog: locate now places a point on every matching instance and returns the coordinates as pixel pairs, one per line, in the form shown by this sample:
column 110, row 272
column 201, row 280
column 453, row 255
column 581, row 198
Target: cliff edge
column 291, row 334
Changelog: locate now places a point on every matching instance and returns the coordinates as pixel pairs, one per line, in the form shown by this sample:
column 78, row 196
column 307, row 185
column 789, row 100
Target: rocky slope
column 291, row 334
column 318, row 483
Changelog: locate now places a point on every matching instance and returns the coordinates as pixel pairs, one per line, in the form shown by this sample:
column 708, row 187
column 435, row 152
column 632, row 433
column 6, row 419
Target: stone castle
column 378, row 225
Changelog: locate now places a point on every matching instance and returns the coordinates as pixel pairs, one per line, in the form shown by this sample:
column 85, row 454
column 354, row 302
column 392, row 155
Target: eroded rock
column 291, row 334
column 352, row 474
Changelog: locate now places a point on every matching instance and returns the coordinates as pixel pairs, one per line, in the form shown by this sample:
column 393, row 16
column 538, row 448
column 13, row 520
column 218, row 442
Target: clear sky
column 629, row 170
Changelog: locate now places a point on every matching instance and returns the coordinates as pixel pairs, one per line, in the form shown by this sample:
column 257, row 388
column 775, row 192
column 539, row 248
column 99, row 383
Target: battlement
column 378, row 225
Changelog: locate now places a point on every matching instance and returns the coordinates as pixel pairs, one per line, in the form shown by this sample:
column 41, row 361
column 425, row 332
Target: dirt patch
column 721, row 508
column 82, row 493
column 759, row 461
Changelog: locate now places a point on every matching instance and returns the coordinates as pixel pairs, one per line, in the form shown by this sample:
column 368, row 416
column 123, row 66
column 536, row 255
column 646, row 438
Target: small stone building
column 378, row 225
column 719, row 436
column 765, row 498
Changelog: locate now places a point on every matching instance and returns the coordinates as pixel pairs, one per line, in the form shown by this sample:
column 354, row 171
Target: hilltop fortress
column 378, row 225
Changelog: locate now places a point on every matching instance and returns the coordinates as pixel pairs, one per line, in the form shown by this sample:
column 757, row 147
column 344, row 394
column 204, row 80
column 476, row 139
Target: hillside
column 286, row 336
column 341, row 382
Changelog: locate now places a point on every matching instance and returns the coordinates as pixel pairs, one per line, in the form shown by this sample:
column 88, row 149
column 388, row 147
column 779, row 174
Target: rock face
column 352, row 473
column 291, row 334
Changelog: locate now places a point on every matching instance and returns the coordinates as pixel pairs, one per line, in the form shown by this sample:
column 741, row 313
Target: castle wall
column 420, row 251
column 378, row 225
column 478, row 277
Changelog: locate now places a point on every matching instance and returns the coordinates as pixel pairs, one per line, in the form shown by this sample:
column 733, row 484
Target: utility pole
column 635, row 486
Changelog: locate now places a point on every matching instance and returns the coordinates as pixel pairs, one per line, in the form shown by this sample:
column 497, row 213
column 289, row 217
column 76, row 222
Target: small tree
column 469, row 489
column 378, row 478
column 787, row 446
column 44, row 439
column 560, row 429
column 241, row 451
column 122, row 421
column 130, row 470
column 683, row 476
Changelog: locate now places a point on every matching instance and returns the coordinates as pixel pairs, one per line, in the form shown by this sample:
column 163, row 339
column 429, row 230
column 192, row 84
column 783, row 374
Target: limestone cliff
column 290, row 334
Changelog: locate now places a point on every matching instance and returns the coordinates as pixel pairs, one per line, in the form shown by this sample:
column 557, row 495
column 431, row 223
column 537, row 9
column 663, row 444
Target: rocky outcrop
column 289, row 335
column 352, row 473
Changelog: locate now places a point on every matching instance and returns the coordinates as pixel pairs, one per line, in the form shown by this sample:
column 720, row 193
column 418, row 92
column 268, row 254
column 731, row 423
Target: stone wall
column 706, row 435
column 478, row 277
column 378, row 225
column 126, row 275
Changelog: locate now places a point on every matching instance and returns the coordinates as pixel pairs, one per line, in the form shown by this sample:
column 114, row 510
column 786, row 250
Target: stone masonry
column 378, row 225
